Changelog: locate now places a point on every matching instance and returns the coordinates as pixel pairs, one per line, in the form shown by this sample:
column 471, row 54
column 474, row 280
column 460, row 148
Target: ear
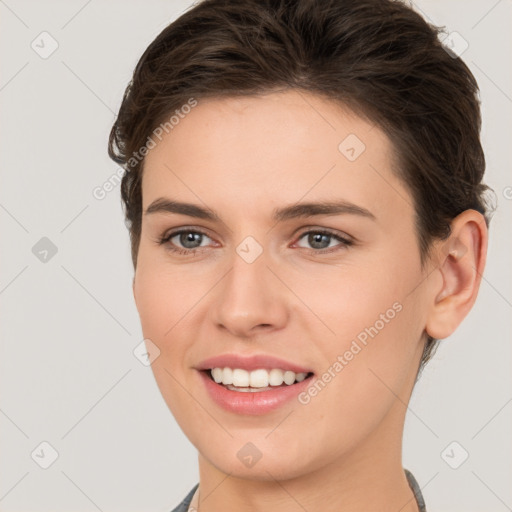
column 461, row 261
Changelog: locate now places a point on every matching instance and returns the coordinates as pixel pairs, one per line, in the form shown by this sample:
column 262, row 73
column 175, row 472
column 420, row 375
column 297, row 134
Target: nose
column 251, row 299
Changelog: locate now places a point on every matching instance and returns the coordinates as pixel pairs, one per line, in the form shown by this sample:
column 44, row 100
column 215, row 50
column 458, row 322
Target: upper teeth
column 257, row 378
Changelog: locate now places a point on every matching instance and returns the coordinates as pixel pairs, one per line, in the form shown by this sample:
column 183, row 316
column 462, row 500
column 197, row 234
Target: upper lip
column 249, row 363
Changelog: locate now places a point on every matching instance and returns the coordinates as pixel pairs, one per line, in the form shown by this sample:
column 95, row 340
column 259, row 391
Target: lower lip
column 253, row 402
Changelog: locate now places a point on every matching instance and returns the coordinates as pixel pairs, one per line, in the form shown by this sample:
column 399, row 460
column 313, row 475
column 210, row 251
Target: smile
column 238, row 379
column 248, row 400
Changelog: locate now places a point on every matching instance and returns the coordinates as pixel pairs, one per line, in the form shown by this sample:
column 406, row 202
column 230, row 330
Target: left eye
column 319, row 239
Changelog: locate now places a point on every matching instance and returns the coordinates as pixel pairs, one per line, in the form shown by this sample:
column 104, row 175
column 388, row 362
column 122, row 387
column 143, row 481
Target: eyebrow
column 299, row 210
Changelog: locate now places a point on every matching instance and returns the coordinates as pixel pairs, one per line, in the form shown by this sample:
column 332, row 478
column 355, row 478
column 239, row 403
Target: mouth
column 252, row 384
column 255, row 381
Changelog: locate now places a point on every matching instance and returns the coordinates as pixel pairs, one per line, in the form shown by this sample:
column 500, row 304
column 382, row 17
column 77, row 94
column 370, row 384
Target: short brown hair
column 378, row 57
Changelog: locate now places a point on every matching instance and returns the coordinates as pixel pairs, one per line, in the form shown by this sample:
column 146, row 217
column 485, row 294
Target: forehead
column 259, row 151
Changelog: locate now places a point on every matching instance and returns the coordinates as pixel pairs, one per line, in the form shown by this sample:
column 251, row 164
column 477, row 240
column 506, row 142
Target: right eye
column 188, row 238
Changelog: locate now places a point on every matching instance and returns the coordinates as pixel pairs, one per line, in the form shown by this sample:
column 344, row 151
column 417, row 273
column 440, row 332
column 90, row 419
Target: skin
column 242, row 158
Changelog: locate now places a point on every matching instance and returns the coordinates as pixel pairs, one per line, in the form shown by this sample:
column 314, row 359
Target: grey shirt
column 183, row 506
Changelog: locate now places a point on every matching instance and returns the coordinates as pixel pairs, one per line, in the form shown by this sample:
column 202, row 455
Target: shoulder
column 183, row 506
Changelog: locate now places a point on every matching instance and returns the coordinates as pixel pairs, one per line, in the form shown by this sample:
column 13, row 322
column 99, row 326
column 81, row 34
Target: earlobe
column 461, row 261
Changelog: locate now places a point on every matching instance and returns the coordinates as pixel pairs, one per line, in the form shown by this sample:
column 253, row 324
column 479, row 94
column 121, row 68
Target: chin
column 241, row 459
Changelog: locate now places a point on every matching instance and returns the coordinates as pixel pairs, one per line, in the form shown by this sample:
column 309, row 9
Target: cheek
column 351, row 300
column 367, row 366
column 164, row 298
column 376, row 325
column 165, row 295
column 155, row 304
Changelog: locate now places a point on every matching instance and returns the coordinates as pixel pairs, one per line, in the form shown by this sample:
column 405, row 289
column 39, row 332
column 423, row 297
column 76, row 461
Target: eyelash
column 190, row 252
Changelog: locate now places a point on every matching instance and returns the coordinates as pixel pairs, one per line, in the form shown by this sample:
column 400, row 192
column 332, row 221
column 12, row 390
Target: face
column 256, row 280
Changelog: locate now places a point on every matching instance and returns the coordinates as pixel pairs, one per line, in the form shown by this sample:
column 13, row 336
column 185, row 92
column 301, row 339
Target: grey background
column 69, row 325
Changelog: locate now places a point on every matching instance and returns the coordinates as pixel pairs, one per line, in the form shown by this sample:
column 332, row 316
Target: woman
column 304, row 196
